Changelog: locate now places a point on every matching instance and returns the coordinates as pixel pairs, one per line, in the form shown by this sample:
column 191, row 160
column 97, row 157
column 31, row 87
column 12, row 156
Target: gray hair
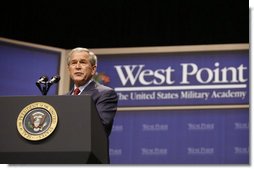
column 92, row 56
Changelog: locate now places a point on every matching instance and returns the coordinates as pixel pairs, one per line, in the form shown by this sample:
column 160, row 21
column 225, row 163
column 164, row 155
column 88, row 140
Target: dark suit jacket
column 105, row 99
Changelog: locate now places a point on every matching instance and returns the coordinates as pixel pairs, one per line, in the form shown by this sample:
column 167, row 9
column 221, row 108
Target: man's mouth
column 78, row 74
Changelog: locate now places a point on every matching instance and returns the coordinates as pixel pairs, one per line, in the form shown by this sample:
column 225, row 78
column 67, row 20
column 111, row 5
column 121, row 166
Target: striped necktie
column 76, row 91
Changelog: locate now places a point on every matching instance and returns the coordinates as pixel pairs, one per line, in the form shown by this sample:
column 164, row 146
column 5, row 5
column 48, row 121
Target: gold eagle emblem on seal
column 37, row 121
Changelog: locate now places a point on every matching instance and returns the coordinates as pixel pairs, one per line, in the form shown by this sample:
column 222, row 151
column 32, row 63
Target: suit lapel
column 90, row 87
column 70, row 92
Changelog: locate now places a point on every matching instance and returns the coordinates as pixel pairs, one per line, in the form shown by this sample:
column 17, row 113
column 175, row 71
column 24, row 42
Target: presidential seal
column 37, row 121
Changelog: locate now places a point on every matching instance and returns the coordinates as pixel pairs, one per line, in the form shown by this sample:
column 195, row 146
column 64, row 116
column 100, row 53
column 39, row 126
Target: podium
column 78, row 137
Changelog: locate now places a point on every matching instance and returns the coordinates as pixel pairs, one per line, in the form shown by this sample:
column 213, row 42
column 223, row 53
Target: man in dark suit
column 82, row 65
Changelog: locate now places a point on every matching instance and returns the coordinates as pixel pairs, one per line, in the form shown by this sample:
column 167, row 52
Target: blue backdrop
column 22, row 66
column 174, row 108
column 160, row 119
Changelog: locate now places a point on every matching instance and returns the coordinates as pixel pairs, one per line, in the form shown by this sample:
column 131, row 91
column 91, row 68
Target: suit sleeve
column 107, row 107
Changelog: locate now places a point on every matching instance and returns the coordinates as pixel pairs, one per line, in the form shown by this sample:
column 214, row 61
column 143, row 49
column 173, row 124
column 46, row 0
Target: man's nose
column 78, row 65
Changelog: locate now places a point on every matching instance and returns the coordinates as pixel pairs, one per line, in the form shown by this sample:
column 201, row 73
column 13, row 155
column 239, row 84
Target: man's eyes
column 80, row 62
column 83, row 62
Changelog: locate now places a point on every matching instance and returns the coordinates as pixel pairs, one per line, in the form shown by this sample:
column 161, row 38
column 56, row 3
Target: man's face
column 80, row 68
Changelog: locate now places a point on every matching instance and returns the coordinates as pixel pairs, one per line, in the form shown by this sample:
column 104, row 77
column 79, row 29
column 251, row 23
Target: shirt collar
column 81, row 88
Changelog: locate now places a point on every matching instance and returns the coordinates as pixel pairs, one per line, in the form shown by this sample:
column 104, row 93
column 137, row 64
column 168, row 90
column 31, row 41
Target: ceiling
column 126, row 23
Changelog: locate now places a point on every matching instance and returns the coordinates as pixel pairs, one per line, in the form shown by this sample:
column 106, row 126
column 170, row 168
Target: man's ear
column 94, row 69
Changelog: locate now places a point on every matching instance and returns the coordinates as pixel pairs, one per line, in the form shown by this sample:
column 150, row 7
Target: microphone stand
column 45, row 85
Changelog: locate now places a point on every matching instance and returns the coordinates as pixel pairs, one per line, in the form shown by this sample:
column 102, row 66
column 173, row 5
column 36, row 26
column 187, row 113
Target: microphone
column 44, row 83
column 54, row 79
column 43, row 79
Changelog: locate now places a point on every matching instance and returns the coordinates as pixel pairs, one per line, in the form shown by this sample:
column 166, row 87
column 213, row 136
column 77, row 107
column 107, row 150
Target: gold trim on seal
column 21, row 120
